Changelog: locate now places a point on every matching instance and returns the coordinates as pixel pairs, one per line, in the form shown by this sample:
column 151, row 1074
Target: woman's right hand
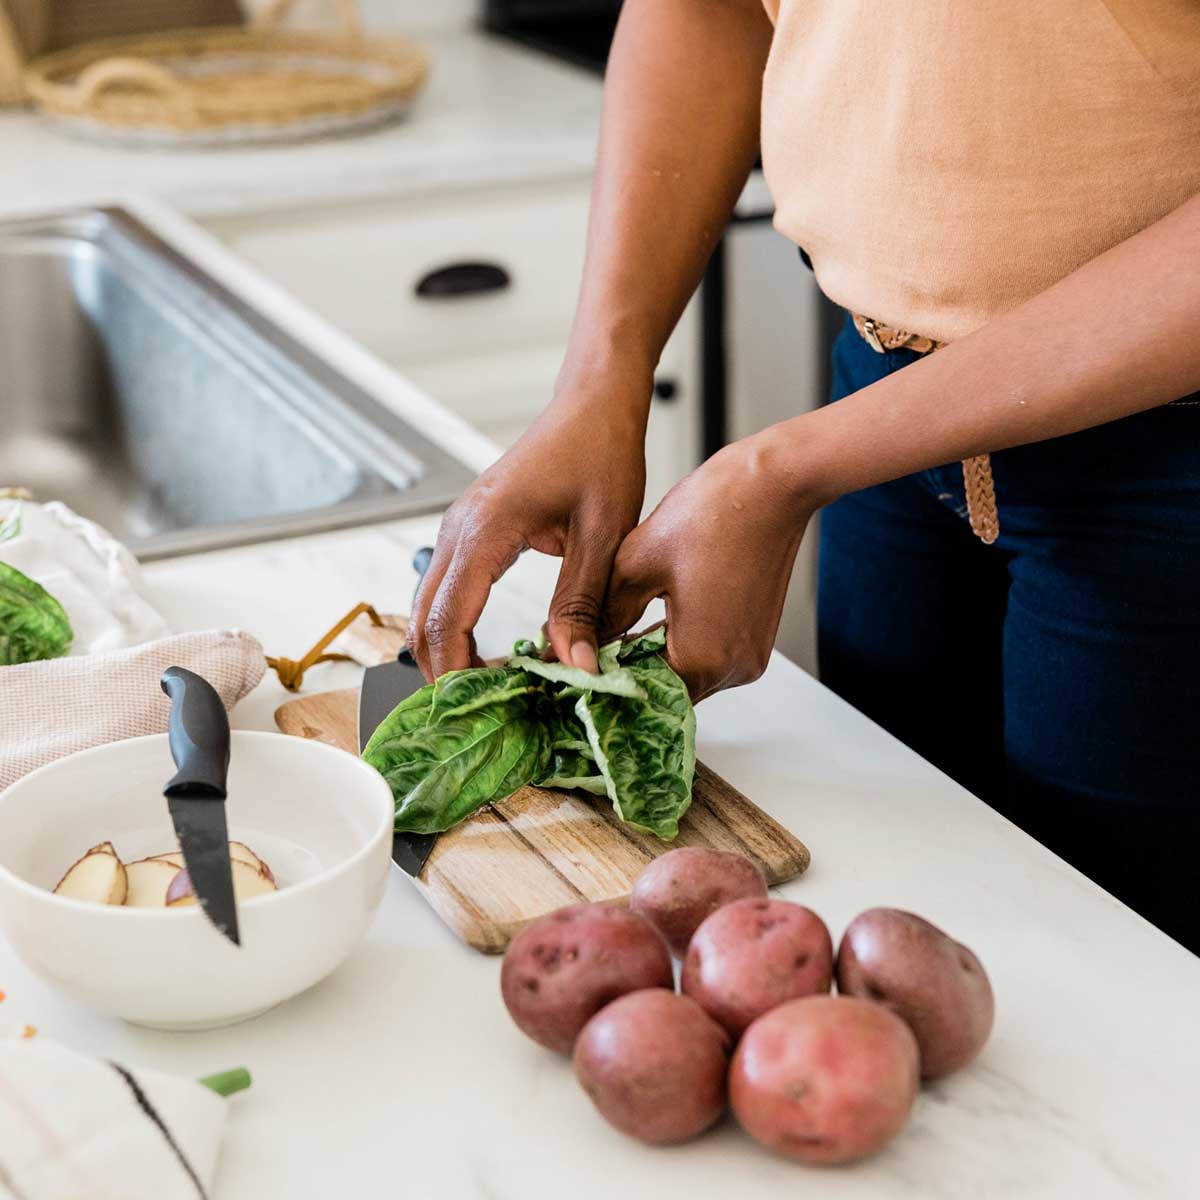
column 572, row 487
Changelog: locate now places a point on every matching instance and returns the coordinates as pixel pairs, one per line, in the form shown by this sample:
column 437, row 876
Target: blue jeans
column 1056, row 673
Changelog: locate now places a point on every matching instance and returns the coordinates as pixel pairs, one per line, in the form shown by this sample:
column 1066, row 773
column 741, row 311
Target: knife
column 198, row 732
column 383, row 687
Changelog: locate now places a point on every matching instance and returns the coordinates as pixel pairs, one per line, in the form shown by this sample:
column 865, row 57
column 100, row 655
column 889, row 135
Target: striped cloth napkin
column 75, row 1127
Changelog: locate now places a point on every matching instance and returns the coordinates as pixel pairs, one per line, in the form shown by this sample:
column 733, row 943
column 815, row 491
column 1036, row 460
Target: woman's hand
column 572, row 487
column 720, row 549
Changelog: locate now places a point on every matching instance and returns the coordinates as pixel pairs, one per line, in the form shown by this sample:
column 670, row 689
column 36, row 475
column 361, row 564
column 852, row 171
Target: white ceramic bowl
column 320, row 818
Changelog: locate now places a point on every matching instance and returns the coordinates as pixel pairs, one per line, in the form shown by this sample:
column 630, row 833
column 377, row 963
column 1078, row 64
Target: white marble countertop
column 401, row 1074
column 492, row 112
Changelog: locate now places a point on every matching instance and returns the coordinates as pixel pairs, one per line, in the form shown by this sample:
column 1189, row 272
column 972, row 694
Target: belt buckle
column 871, row 336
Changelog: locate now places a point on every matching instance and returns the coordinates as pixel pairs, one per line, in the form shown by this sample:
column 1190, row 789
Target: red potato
column 677, row 891
column 753, row 955
column 564, row 968
column 825, row 1079
column 924, row 976
column 654, row 1065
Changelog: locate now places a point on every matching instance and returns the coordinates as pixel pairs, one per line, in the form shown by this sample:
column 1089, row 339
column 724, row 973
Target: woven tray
column 215, row 86
column 32, row 27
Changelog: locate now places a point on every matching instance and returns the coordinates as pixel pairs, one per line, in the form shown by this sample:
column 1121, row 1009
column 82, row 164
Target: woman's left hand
column 719, row 549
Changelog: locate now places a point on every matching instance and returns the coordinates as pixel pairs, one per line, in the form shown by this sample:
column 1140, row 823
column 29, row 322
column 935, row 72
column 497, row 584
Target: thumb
column 630, row 589
column 579, row 596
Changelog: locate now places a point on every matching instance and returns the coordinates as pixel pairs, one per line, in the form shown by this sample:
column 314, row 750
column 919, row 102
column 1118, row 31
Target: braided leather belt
column 977, row 470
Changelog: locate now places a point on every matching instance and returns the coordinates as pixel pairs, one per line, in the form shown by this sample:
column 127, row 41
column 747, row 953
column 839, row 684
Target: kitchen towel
column 53, row 708
column 85, row 569
column 73, row 1126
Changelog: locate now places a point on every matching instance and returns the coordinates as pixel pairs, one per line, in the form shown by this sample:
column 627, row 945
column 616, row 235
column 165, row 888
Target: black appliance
column 580, row 31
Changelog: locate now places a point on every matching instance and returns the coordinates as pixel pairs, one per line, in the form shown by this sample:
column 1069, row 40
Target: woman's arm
column 1117, row 336
column 678, row 138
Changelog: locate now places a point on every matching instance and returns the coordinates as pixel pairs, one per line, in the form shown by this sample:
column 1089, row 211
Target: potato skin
column 568, row 965
column 677, row 891
column 923, row 975
column 654, row 1065
column 753, row 955
column 825, row 1079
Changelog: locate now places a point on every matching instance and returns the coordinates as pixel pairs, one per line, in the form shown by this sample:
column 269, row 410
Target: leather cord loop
column 291, row 672
column 978, row 485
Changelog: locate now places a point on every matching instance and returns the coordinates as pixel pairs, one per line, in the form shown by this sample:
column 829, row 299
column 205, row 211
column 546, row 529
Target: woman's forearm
column 1119, row 335
column 678, row 139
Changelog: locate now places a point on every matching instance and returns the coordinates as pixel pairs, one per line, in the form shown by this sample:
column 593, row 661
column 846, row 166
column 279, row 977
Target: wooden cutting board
column 540, row 849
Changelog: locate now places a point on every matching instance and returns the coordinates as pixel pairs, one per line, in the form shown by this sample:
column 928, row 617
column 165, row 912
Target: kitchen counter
column 401, row 1074
column 491, row 113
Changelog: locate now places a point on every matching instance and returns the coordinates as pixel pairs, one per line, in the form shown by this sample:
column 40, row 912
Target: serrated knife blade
column 198, row 732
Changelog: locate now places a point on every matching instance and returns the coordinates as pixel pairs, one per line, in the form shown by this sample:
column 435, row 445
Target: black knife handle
column 199, row 735
column 421, row 561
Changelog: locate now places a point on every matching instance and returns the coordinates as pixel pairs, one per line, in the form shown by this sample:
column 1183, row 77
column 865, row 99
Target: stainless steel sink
column 146, row 396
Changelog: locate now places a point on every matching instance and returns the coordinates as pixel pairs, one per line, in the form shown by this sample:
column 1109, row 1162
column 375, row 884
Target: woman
column 1008, row 198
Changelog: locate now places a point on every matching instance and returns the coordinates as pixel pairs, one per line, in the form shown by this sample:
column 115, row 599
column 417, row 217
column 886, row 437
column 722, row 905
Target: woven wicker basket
column 23, row 28
column 230, row 84
column 32, row 27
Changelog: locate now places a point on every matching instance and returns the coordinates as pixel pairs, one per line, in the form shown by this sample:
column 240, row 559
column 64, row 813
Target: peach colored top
column 943, row 160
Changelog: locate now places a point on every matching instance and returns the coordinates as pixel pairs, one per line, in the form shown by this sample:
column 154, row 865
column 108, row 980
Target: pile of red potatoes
column 821, row 1078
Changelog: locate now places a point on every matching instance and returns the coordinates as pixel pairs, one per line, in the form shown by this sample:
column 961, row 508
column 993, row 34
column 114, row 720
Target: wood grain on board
column 519, row 859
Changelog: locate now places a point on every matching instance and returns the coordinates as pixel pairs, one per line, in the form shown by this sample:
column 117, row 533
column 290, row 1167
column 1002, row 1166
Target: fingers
column 579, row 596
column 720, row 639
column 636, row 580
column 443, row 552
column 452, row 597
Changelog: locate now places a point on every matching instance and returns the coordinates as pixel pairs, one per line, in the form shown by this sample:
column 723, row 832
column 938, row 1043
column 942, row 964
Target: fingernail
column 583, row 655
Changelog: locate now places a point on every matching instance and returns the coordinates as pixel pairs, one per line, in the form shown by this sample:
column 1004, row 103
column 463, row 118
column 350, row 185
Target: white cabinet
column 470, row 296
column 361, row 266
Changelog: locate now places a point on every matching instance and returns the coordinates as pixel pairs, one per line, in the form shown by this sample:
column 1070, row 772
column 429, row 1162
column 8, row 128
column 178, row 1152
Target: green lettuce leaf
column 645, row 749
column 644, row 645
column 458, row 693
column 477, row 736
column 570, row 769
column 33, row 625
column 457, row 745
column 617, row 680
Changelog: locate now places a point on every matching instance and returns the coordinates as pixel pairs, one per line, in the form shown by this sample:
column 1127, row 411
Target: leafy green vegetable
column 476, row 736
column 645, row 749
column 33, row 624
column 457, row 744
column 458, row 693
column 645, row 645
column 617, row 681
column 574, row 769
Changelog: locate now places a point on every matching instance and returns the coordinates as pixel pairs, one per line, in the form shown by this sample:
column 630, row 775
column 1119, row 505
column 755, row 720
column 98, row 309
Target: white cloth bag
column 93, row 576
